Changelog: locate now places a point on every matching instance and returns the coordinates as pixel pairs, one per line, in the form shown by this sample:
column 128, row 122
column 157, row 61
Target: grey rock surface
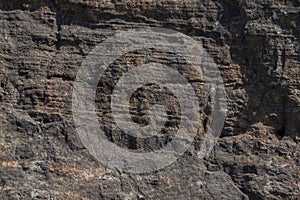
column 256, row 45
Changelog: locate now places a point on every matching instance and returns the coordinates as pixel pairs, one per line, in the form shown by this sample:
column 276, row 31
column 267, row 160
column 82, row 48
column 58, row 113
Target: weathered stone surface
column 256, row 45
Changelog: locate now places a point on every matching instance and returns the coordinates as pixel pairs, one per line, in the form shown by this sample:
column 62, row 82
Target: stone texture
column 256, row 45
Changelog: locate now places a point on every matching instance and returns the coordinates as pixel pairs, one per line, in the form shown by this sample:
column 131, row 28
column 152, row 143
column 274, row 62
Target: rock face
column 256, row 45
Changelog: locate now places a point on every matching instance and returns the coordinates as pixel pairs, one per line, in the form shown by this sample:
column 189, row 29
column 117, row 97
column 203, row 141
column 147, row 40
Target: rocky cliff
column 256, row 45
